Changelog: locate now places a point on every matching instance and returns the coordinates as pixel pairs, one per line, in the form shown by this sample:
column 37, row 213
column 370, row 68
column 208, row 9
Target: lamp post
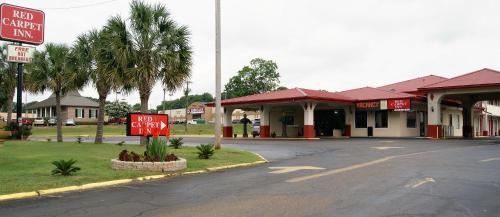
column 217, row 75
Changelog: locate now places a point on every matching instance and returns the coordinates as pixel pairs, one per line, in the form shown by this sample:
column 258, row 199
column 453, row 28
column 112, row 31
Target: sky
column 318, row 44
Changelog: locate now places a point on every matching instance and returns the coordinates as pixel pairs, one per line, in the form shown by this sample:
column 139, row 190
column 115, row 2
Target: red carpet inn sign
column 21, row 24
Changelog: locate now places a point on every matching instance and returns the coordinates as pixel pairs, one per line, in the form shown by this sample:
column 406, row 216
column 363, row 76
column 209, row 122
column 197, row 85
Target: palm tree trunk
column 59, row 116
column 100, row 120
column 10, row 102
column 144, row 109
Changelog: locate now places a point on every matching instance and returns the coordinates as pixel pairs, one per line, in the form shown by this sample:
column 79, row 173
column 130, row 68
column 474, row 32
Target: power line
column 81, row 6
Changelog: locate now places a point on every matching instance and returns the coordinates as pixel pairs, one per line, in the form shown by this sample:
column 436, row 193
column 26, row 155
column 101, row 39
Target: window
column 411, row 119
column 381, row 119
column 93, row 113
column 457, row 122
column 79, row 113
column 361, row 119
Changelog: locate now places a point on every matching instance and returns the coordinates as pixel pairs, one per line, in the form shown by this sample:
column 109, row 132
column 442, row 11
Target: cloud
column 333, row 45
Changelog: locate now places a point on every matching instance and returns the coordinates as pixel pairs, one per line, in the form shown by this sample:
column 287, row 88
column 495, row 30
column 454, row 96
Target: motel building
column 431, row 106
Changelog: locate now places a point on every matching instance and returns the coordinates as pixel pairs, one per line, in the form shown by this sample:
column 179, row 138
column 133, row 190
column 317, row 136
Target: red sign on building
column 399, row 104
column 371, row 105
column 20, row 24
column 139, row 124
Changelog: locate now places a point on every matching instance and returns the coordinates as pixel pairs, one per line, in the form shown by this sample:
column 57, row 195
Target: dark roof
column 73, row 99
column 371, row 93
column 294, row 94
column 480, row 78
column 412, row 85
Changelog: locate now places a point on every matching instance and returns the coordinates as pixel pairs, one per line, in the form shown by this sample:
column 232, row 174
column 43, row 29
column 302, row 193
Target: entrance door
column 325, row 121
column 422, row 123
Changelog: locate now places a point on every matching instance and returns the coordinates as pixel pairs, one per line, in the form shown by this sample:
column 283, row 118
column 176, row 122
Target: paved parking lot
column 355, row 177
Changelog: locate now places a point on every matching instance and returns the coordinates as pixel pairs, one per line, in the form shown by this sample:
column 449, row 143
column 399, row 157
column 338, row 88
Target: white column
column 309, row 119
column 486, row 124
column 434, row 124
column 228, row 117
column 50, row 112
column 264, row 116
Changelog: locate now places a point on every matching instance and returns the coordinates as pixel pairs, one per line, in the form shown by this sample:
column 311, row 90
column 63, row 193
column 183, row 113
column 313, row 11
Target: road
column 355, row 177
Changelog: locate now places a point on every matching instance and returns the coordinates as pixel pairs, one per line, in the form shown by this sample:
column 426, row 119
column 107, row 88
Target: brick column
column 265, row 130
column 228, row 123
column 309, row 120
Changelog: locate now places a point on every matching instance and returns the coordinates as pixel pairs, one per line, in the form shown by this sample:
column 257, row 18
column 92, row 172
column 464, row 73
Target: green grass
column 114, row 130
column 26, row 166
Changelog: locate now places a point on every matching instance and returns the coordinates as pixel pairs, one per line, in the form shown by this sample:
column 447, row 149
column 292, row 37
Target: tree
column 8, row 81
column 118, row 109
column 181, row 102
column 259, row 77
column 136, row 107
column 53, row 69
column 159, row 50
column 98, row 59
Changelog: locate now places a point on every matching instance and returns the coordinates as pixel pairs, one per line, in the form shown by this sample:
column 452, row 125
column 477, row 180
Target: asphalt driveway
column 355, row 177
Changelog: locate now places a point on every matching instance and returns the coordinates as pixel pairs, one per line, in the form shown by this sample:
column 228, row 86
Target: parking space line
column 490, row 159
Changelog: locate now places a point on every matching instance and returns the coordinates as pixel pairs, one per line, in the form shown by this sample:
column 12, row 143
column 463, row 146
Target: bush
column 176, row 143
column 156, row 150
column 79, row 139
column 132, row 156
column 65, row 168
column 17, row 131
column 205, row 151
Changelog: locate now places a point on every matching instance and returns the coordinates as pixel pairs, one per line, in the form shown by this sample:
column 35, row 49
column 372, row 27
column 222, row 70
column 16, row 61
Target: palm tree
column 160, row 50
column 8, row 80
column 53, row 69
column 98, row 60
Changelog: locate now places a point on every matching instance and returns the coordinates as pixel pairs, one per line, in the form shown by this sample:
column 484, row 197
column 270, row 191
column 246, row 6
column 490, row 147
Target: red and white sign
column 399, row 104
column 20, row 54
column 200, row 110
column 20, row 24
column 139, row 124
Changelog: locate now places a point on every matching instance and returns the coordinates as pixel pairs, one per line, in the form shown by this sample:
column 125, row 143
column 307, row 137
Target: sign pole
column 19, row 108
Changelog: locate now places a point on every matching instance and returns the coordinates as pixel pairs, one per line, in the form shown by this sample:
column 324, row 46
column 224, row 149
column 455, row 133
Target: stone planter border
column 169, row 166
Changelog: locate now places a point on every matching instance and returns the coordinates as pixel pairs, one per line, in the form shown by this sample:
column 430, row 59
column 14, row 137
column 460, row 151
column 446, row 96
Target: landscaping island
column 26, row 165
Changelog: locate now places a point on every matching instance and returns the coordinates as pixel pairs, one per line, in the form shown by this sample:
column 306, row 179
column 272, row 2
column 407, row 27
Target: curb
column 88, row 186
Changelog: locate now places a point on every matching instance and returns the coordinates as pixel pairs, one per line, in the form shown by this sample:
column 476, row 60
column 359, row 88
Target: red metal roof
column 293, row 94
column 412, row 85
column 371, row 93
column 480, row 78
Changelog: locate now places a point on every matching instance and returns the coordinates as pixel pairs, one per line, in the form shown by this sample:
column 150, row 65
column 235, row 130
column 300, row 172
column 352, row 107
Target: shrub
column 176, row 143
column 49, row 139
column 65, row 168
column 120, row 143
column 123, row 156
column 79, row 139
column 17, row 131
column 156, row 150
column 273, row 134
column 134, row 157
column 205, row 151
column 171, row 157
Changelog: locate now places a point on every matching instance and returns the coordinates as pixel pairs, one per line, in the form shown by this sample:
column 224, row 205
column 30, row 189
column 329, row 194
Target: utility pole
column 170, row 116
column 186, row 95
column 163, row 103
column 217, row 75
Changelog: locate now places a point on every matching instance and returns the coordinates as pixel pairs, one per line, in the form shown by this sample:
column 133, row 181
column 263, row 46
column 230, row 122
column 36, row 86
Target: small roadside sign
column 140, row 124
column 20, row 54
